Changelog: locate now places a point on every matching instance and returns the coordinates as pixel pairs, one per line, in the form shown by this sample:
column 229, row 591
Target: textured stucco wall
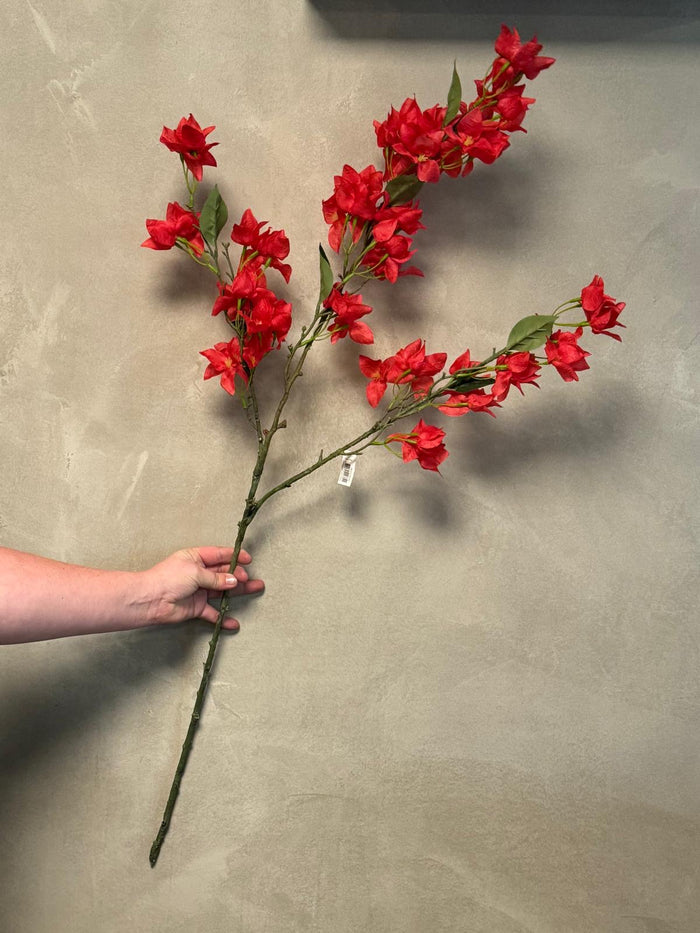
column 464, row 704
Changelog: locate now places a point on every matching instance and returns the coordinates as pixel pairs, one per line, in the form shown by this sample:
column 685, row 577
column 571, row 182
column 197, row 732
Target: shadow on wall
column 50, row 716
column 674, row 21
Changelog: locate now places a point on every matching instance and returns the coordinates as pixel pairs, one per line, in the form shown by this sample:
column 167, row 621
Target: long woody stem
column 247, row 517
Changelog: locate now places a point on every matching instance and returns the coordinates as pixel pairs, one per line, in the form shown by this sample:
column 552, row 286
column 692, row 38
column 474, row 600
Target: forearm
column 42, row 599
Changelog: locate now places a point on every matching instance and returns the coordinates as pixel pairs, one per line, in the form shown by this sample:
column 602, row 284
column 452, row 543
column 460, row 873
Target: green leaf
column 326, row 274
column 213, row 217
column 454, row 97
column 530, row 333
column 466, row 383
column 403, row 188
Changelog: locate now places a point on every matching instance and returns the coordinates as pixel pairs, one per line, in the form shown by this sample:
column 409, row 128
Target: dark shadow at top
column 639, row 21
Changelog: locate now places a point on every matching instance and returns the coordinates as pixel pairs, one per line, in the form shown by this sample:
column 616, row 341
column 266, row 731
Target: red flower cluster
column 419, row 141
column 347, row 311
column 565, row 355
column 410, row 366
column 372, row 211
column 602, row 312
column 413, row 139
column 262, row 247
column 424, row 444
column 520, row 58
column 600, row 309
column 360, row 206
column 424, row 144
column 514, row 369
column 225, row 361
column 459, row 403
column 189, row 140
column 178, row 224
column 260, row 317
column 354, row 201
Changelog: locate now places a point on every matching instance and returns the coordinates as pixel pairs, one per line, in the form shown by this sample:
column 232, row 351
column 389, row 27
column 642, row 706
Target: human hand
column 180, row 586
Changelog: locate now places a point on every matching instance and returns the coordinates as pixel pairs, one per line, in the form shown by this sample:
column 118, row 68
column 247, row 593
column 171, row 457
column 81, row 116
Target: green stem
column 252, row 395
column 197, row 709
column 186, row 248
column 345, row 449
column 249, row 513
column 190, row 187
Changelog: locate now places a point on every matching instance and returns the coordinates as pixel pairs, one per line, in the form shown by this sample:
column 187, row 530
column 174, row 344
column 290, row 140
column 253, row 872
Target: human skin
column 43, row 599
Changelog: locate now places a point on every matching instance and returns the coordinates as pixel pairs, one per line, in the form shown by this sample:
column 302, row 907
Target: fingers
column 250, row 587
column 210, row 614
column 217, row 557
column 210, row 580
column 214, row 555
column 246, row 588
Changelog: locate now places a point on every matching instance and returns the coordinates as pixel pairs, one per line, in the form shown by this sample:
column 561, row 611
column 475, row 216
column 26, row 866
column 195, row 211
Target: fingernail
column 231, row 581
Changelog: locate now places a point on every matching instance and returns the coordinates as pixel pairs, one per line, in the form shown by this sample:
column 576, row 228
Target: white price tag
column 347, row 470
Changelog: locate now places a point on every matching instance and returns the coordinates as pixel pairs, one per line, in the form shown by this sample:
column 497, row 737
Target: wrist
column 148, row 602
column 129, row 600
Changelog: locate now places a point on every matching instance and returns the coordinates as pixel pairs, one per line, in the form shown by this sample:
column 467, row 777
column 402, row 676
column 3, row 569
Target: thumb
column 209, row 580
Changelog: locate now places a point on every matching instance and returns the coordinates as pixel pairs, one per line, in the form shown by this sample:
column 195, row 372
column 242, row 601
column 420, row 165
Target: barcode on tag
column 347, row 470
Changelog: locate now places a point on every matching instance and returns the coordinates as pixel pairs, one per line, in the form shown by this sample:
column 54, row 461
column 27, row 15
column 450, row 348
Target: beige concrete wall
column 464, row 704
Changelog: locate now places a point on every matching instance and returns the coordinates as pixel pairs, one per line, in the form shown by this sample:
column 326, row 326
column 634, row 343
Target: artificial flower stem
column 191, row 188
column 196, row 713
column 249, row 512
column 323, row 460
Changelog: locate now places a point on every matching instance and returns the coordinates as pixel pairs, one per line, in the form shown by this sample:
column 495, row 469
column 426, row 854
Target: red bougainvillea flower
column 269, row 315
column 489, row 146
column 475, row 137
column 411, row 365
column 386, row 258
column 178, row 224
column 460, row 136
column 424, row 444
column 412, row 137
column 512, row 107
column 524, row 57
column 255, row 347
column 375, row 371
column 463, row 361
column 339, row 223
column 189, row 139
column 348, row 309
column 225, row 360
column 245, row 285
column 352, row 204
column 271, row 246
column 460, row 403
column 565, row 355
column 404, row 217
column 520, row 369
column 356, row 193
column 247, row 231
column 600, row 309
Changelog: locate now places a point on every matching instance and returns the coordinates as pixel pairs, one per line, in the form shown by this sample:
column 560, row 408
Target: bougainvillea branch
column 372, row 215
